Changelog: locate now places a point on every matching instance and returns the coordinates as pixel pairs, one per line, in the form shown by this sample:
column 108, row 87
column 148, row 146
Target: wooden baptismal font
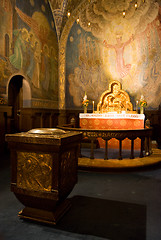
column 43, row 171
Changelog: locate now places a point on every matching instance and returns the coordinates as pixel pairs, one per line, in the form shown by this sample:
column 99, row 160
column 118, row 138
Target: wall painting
column 29, row 47
column 114, row 47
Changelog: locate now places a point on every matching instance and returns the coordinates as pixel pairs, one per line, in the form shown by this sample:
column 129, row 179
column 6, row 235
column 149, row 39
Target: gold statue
column 114, row 100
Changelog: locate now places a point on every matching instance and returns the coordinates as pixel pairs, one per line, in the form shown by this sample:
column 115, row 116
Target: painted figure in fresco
column 4, row 70
column 53, row 68
column 45, row 67
column 119, row 47
column 30, row 53
column 19, row 47
column 40, row 31
column 37, row 61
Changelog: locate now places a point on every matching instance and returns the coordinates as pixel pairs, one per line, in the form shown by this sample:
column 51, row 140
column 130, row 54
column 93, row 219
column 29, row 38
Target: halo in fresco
column 71, row 39
column 43, row 8
column 79, row 31
column 32, row 3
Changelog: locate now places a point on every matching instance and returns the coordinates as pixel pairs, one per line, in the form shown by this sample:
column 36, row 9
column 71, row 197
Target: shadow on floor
column 105, row 218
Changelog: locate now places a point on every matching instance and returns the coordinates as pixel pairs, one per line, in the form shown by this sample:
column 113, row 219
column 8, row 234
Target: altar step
column 99, row 164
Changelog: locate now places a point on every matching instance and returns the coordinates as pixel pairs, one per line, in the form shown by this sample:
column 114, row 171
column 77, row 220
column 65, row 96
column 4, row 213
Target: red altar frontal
column 113, row 121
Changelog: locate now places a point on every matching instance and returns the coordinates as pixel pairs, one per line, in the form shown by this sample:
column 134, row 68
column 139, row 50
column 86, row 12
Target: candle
column 93, row 106
column 126, row 106
column 137, row 102
column 120, row 106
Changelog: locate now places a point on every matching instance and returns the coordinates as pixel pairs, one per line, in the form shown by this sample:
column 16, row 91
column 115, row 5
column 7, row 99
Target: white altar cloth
column 112, row 115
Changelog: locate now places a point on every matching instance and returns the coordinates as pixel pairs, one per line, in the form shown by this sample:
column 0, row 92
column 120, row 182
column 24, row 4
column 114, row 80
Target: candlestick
column 120, row 106
column 126, row 106
column 93, row 106
column 137, row 102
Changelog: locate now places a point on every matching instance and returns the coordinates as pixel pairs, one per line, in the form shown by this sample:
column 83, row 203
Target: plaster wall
column 29, row 47
column 113, row 47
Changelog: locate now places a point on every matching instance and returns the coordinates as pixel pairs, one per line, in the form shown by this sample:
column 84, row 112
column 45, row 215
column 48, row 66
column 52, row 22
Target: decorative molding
column 58, row 15
column 43, row 103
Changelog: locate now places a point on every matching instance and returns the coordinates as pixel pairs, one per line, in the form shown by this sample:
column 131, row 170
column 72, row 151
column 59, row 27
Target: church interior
column 80, row 119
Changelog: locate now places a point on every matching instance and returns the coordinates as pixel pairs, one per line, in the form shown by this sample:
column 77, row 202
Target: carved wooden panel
column 34, row 171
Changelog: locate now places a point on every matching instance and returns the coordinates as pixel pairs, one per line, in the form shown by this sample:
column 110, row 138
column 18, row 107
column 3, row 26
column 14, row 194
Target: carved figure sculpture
column 114, row 99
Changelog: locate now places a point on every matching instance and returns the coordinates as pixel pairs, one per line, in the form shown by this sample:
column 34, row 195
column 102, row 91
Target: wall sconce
column 77, row 20
column 89, row 24
column 68, row 14
column 124, row 13
column 136, row 6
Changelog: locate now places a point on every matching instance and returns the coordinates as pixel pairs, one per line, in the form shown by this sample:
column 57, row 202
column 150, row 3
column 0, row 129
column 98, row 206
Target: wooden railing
column 92, row 135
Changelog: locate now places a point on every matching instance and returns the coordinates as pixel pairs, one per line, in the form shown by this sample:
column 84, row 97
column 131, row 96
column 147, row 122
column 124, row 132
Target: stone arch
column 62, row 52
column 26, row 93
column 26, row 90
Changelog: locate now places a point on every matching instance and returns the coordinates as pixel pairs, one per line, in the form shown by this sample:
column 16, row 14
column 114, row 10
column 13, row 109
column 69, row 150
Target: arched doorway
column 15, row 99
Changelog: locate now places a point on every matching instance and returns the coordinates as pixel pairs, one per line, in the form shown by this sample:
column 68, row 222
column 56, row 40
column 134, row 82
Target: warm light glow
column 68, row 14
column 136, row 5
column 78, row 20
column 89, row 24
column 93, row 106
column 124, row 13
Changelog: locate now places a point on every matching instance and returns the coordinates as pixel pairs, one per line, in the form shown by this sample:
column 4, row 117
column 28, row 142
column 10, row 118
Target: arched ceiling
column 101, row 13
column 59, row 9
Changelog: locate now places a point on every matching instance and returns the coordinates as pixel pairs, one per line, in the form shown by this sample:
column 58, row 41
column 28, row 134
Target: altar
column 114, row 112
column 113, row 121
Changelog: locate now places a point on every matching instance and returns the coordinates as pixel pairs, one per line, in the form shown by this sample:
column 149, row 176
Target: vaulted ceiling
column 101, row 13
column 59, row 9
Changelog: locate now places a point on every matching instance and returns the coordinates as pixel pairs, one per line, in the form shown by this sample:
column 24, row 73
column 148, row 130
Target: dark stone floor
column 111, row 205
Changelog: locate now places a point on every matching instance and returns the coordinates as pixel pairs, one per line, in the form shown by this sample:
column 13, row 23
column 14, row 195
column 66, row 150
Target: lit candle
column 93, row 106
column 120, row 106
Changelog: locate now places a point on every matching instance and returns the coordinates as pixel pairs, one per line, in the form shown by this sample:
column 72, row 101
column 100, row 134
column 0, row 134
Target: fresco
column 29, row 40
column 107, row 46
